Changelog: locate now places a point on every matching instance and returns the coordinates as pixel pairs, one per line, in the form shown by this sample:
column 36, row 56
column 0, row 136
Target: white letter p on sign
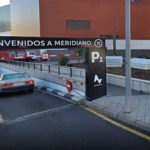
column 95, row 55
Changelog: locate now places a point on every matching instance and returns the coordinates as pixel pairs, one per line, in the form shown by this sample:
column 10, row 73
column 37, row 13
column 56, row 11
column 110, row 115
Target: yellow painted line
column 118, row 124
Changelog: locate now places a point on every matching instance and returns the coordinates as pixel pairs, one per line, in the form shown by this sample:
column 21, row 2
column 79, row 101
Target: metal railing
column 49, row 68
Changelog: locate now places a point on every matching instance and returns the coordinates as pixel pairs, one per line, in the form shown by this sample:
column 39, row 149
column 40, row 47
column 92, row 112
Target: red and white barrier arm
column 15, row 58
column 30, row 57
column 73, row 81
column 64, row 55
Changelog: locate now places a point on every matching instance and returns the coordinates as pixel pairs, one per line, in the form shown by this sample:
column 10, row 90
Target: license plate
column 18, row 84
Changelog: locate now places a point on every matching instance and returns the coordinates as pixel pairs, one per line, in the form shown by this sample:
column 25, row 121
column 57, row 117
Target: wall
column 135, row 44
column 52, row 78
column 25, row 19
column 139, row 48
column 106, row 16
column 7, row 33
column 48, row 18
column 5, row 19
column 136, row 84
column 43, row 83
column 134, row 53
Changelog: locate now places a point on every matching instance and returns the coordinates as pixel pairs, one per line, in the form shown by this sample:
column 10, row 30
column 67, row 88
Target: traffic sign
column 95, row 62
column 45, row 56
column 69, row 86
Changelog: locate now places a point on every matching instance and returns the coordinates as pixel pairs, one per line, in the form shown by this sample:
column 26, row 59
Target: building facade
column 79, row 18
column 25, row 19
column 5, row 25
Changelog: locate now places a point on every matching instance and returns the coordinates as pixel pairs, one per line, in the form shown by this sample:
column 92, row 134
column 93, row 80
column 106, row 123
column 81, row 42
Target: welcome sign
column 39, row 43
column 95, row 61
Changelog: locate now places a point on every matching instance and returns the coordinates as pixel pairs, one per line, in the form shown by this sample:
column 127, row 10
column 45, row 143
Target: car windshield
column 15, row 76
column 31, row 53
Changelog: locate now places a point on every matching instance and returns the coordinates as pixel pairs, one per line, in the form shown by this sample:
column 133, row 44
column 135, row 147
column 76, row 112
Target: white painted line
column 37, row 114
column 39, row 87
column 56, row 95
column 49, row 90
column 75, row 98
column 61, row 94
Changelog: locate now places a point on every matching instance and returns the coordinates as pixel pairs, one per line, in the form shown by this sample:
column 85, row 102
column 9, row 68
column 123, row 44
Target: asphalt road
column 23, row 103
column 40, row 121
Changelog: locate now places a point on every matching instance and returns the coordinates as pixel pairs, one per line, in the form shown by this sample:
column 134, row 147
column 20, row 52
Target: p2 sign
column 96, row 71
column 95, row 56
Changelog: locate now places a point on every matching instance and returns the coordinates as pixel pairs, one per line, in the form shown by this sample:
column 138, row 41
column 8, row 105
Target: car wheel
column 31, row 90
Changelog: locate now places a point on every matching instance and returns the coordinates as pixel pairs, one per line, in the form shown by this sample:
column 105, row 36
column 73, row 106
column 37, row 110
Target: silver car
column 16, row 82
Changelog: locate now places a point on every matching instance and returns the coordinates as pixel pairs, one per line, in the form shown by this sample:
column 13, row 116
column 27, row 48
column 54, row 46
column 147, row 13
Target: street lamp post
column 128, row 100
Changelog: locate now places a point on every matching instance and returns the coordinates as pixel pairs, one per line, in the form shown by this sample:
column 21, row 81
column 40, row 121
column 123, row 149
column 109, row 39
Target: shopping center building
column 79, row 18
column 5, row 25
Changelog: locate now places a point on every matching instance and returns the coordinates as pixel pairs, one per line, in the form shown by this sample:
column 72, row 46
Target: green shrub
column 116, row 72
column 63, row 61
column 80, row 52
column 80, row 102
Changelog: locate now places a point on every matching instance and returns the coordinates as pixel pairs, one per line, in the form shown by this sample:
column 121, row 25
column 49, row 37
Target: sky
column 4, row 2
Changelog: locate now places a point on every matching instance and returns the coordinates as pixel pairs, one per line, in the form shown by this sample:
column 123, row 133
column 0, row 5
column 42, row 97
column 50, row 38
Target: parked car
column 16, row 82
column 22, row 55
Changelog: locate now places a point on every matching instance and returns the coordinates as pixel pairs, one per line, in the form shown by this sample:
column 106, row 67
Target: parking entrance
column 95, row 62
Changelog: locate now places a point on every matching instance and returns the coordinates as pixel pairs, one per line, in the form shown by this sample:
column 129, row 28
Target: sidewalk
column 113, row 106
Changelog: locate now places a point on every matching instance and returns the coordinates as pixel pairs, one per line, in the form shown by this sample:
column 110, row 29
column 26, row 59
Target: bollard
column 49, row 68
column 40, row 67
column 70, row 72
column 28, row 66
column 34, row 66
column 58, row 70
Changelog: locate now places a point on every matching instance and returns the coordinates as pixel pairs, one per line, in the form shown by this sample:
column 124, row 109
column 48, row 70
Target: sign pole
column 128, row 100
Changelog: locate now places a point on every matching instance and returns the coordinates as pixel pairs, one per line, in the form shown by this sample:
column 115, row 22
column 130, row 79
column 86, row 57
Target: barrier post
column 40, row 67
column 28, row 66
column 58, row 70
column 70, row 72
column 34, row 66
column 49, row 68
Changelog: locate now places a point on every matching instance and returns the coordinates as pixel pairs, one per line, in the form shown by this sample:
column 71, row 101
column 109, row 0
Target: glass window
column 15, row 76
column 31, row 53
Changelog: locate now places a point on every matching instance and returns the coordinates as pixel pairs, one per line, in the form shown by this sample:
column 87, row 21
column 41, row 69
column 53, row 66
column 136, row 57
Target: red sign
column 45, row 56
column 69, row 85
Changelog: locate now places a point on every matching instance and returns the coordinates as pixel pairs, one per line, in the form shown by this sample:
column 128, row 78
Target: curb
column 1, row 119
column 59, row 93
column 120, row 116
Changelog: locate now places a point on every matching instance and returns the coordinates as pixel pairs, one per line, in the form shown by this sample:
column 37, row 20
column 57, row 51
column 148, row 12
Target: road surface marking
column 37, row 114
column 118, row 124
column 56, row 96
